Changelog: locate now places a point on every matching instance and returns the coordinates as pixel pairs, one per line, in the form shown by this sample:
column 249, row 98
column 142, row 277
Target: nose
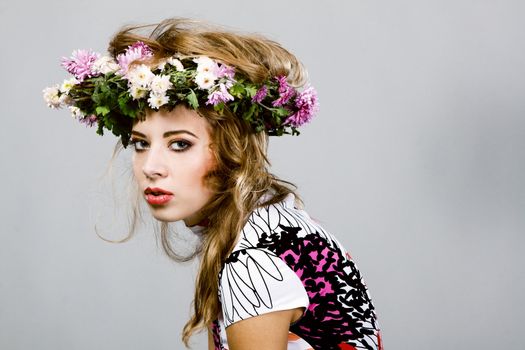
column 154, row 165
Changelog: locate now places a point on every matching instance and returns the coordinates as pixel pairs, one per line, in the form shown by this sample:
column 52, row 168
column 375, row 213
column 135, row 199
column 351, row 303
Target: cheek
column 201, row 168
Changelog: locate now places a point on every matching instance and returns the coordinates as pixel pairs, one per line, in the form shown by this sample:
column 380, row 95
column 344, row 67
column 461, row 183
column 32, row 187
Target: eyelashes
column 140, row 145
column 182, row 145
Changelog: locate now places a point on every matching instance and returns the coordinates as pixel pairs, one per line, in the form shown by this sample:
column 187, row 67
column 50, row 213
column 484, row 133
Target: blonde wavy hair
column 241, row 174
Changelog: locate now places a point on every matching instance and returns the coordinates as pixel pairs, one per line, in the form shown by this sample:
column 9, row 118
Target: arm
column 268, row 331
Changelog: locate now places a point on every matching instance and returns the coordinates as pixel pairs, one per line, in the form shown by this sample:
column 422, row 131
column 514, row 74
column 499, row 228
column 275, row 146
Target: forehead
column 180, row 118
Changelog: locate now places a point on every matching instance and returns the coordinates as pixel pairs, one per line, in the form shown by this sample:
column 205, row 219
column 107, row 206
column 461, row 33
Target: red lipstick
column 157, row 196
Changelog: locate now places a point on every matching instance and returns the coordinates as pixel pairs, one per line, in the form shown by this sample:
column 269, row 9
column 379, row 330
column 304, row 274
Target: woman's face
column 171, row 157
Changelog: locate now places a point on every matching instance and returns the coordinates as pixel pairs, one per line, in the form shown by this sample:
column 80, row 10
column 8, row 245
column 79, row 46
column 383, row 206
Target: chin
column 172, row 214
column 164, row 216
column 163, row 219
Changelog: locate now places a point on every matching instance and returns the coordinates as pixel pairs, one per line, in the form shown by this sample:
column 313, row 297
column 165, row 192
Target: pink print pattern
column 340, row 312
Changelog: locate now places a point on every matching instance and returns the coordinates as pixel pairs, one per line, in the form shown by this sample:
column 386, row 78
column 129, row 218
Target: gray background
column 416, row 163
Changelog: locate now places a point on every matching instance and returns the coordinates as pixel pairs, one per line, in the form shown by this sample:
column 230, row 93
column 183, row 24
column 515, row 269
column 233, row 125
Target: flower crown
column 111, row 93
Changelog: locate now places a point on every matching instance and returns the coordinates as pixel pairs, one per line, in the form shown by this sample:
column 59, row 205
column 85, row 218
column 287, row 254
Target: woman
column 197, row 105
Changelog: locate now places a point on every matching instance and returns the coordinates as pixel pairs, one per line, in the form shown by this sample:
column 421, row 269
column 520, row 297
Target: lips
column 156, row 191
column 157, row 196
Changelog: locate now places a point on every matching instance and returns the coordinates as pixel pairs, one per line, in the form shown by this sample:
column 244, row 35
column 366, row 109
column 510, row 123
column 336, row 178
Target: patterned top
column 282, row 260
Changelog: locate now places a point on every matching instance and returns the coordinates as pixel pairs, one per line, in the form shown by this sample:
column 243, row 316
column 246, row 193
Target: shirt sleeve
column 254, row 282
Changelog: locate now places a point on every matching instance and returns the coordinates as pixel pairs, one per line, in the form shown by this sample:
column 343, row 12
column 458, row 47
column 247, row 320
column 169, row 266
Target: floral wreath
column 111, row 93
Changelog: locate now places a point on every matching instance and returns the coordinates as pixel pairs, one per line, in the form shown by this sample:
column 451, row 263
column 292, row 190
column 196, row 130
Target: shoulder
column 272, row 219
column 281, row 226
column 255, row 281
column 258, row 277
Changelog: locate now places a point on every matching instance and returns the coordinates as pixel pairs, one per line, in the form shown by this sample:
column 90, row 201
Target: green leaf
column 251, row 90
column 192, row 100
column 126, row 105
column 249, row 113
column 237, row 90
column 281, row 112
column 100, row 128
column 104, row 88
column 125, row 140
column 219, row 107
column 234, row 106
column 96, row 97
column 102, row 110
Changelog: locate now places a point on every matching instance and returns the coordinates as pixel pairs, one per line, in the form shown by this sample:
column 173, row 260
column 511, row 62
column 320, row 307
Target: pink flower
column 89, row 120
column 307, row 105
column 218, row 96
column 284, row 98
column 260, row 94
column 283, row 84
column 80, row 63
column 226, row 71
column 137, row 51
column 286, row 92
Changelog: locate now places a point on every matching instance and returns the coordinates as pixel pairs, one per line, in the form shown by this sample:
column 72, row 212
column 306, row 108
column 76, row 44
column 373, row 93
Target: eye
column 180, row 145
column 138, row 145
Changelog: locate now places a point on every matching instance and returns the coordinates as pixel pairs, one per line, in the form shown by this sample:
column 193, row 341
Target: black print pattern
column 244, row 270
column 340, row 314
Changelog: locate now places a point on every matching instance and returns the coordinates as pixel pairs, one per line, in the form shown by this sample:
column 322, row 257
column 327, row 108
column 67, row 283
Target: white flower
column 205, row 80
column 68, row 84
column 51, row 97
column 228, row 83
column 104, row 65
column 137, row 92
column 172, row 61
column 160, row 84
column 161, row 65
column 155, row 101
column 140, row 75
column 66, row 100
column 76, row 112
column 176, row 63
column 206, row 64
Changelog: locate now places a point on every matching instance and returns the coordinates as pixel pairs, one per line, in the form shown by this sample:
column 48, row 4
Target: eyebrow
column 167, row 133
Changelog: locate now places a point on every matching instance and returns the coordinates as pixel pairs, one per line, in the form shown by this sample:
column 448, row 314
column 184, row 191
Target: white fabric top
column 258, row 282
column 282, row 260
